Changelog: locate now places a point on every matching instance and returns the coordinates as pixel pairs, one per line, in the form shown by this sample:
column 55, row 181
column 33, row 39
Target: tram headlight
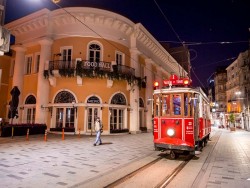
column 170, row 132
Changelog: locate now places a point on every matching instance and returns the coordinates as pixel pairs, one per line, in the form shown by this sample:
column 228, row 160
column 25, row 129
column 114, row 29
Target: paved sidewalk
column 67, row 163
column 75, row 162
column 229, row 164
column 222, row 164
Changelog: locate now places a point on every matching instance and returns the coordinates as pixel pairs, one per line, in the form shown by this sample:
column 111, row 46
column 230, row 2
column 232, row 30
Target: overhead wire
column 228, row 59
column 205, row 43
column 176, row 34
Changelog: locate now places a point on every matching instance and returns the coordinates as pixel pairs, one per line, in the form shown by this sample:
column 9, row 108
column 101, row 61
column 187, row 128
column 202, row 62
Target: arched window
column 93, row 100
column 30, row 109
column 118, row 99
column 30, row 100
column 94, row 53
column 117, row 118
column 65, row 116
column 64, row 97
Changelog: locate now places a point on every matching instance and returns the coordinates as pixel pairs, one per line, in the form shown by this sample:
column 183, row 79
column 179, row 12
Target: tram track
column 175, row 167
column 174, row 173
column 142, row 174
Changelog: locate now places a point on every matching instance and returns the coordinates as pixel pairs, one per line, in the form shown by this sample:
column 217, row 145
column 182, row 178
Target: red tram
column 181, row 117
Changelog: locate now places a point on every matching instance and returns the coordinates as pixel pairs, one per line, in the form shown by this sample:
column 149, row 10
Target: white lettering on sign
column 105, row 65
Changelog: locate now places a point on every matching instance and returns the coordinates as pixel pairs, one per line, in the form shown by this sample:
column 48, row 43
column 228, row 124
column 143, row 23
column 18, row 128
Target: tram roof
column 181, row 90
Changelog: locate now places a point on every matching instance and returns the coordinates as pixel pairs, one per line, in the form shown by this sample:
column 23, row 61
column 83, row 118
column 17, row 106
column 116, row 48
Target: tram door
column 92, row 113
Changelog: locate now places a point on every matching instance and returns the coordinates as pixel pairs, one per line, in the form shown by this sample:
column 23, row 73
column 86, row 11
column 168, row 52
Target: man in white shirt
column 98, row 130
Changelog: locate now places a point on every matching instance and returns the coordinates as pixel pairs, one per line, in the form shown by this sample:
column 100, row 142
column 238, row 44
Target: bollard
column 27, row 136
column 12, row 132
column 62, row 134
column 45, row 136
column 79, row 133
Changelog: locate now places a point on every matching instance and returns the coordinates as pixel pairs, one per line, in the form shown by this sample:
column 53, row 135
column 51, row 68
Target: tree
column 232, row 121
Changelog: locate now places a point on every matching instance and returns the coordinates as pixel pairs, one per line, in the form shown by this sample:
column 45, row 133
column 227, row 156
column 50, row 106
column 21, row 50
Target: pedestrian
column 98, row 130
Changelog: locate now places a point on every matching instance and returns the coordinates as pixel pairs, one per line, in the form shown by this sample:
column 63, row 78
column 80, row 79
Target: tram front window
column 165, row 105
column 177, row 104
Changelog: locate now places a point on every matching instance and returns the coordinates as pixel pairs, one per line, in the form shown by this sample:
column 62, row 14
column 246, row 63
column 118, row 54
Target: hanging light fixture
column 56, row 1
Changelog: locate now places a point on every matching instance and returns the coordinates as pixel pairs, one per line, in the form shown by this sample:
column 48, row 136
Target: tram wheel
column 173, row 155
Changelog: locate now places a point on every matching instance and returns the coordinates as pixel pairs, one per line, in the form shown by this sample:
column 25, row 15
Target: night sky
column 205, row 24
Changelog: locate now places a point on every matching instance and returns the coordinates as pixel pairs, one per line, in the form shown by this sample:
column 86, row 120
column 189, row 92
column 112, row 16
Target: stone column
column 134, row 94
column 42, row 83
column 149, row 93
column 19, row 73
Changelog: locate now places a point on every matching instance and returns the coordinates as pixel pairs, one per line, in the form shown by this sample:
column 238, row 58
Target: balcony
column 92, row 70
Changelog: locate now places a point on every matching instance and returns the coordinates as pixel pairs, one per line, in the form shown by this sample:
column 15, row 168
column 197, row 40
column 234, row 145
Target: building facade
column 5, row 62
column 72, row 66
column 238, row 87
column 220, row 80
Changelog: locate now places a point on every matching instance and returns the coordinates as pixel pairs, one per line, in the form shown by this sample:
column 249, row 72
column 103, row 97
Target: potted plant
column 232, row 122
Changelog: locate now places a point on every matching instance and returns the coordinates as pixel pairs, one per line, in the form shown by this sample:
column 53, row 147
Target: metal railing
column 86, row 68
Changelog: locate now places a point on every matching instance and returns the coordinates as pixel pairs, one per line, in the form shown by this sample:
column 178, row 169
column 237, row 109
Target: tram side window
column 165, row 105
column 186, row 101
column 177, row 104
column 157, row 106
column 191, row 103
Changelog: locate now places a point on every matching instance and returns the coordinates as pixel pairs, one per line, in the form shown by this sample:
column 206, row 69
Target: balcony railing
column 92, row 70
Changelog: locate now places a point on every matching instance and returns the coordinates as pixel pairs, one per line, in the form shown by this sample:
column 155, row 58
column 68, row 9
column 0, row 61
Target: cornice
column 90, row 22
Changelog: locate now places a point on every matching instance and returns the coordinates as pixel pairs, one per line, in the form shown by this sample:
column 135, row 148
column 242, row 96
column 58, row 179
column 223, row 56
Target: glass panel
column 165, row 105
column 33, row 115
column 186, row 101
column 29, row 115
column 157, row 106
column 64, row 97
column 70, row 117
column 59, row 117
column 95, row 113
column 118, row 99
column 30, row 100
column 177, row 104
column 97, row 58
column 120, row 119
column 191, row 105
column 37, row 63
column 90, row 118
column 69, row 54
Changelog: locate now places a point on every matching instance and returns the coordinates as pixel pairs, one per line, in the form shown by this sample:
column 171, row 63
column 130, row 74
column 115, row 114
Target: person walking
column 98, row 130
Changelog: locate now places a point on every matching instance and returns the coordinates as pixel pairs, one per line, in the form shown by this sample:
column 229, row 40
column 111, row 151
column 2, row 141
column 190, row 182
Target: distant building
column 220, row 80
column 238, row 87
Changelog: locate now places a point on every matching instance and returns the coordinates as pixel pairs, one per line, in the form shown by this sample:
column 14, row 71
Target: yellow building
column 5, row 62
column 72, row 66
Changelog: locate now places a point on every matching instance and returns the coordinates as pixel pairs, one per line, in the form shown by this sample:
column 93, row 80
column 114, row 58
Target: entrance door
column 116, row 119
column 65, row 118
column 92, row 113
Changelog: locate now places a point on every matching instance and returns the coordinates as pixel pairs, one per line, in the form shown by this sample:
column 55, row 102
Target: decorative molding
column 109, row 83
column 79, row 80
